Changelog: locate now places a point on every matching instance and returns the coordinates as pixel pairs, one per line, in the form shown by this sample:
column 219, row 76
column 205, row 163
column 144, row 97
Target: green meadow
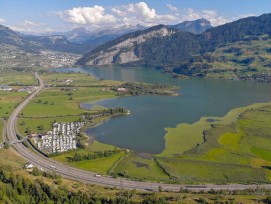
column 39, row 125
column 59, row 102
column 139, row 166
column 12, row 77
column 233, row 151
column 78, row 79
column 99, row 165
column 9, row 100
column 187, row 136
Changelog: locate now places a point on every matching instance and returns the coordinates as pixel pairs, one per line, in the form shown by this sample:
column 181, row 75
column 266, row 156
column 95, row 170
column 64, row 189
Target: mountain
column 98, row 37
column 125, row 49
column 11, row 38
column 58, row 43
column 105, row 35
column 196, row 27
column 162, row 46
column 77, row 35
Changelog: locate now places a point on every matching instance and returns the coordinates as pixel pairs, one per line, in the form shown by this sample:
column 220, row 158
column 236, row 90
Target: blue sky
column 61, row 15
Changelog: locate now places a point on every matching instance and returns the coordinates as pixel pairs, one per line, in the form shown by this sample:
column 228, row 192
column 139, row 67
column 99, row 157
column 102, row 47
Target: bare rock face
column 124, row 49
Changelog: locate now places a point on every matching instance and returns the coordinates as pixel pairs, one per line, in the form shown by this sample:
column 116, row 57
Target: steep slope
column 108, row 34
column 196, row 26
column 125, row 49
column 167, row 47
column 238, row 30
column 9, row 37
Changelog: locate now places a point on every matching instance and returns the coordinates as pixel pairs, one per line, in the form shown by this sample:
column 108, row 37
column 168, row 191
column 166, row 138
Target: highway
column 89, row 177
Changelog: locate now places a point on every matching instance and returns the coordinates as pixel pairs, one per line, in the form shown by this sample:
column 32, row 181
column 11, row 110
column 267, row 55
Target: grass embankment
column 234, row 151
column 1, row 130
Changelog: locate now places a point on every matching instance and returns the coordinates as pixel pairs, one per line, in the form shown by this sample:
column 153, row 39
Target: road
column 89, row 177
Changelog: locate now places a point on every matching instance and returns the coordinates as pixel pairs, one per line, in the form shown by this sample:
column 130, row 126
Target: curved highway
column 89, row 177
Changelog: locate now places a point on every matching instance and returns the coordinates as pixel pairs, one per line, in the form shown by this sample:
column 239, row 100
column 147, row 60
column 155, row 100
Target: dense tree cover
column 15, row 189
column 105, row 112
column 145, row 89
column 93, row 155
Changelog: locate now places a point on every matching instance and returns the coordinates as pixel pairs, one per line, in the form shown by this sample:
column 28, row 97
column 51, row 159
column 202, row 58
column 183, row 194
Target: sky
column 40, row 16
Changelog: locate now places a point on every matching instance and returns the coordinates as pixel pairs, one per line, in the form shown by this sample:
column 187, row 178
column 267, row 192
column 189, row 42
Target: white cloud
column 141, row 13
column 30, row 27
column 172, row 8
column 88, row 15
column 2, row 20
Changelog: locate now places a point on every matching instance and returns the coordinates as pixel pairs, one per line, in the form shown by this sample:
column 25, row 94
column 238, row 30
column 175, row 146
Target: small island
column 137, row 89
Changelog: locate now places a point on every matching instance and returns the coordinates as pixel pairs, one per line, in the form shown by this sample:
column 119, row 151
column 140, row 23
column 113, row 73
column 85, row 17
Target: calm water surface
column 143, row 130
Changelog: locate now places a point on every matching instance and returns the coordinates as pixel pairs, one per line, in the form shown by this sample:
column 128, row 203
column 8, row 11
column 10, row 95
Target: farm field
column 63, row 101
column 8, row 101
column 75, row 79
column 12, row 77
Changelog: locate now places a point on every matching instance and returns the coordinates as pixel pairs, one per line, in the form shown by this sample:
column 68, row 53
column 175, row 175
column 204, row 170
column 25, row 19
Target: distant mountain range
column 80, row 40
column 167, row 46
column 36, row 44
column 99, row 37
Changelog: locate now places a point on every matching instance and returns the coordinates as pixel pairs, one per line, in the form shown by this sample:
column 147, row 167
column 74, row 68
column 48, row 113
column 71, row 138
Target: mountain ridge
column 164, row 51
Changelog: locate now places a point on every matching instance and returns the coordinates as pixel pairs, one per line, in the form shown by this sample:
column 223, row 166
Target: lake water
column 143, row 130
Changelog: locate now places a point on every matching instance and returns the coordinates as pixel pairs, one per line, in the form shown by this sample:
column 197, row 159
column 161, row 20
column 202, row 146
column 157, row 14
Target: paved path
column 89, row 177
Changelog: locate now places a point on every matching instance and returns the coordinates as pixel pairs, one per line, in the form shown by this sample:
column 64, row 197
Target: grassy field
column 99, row 165
column 78, row 79
column 194, row 171
column 33, row 124
column 9, row 100
column 233, row 152
column 57, row 102
column 187, row 136
column 140, row 167
column 11, row 77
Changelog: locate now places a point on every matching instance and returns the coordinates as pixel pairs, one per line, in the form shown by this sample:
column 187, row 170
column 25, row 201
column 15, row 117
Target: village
column 61, row 139
column 28, row 89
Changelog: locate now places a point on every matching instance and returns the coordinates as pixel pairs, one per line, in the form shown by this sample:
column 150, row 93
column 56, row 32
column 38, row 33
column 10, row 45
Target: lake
column 143, row 130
